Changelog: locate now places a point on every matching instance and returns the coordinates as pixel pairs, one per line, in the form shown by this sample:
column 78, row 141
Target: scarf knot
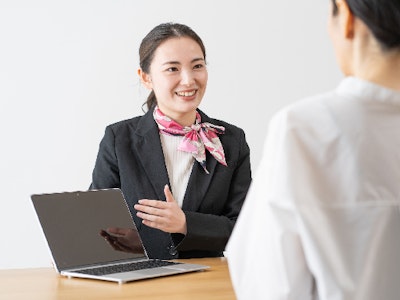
column 196, row 138
column 195, row 127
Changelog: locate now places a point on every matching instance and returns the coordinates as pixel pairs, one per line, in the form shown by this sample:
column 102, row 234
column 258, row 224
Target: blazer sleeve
column 210, row 231
column 106, row 171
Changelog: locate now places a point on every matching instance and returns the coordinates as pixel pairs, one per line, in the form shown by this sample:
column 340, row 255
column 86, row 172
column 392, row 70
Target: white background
column 68, row 69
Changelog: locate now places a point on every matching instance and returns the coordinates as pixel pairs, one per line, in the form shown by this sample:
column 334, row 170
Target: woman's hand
column 164, row 215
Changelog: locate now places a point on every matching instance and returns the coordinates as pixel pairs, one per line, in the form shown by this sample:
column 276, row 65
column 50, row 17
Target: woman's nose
column 187, row 77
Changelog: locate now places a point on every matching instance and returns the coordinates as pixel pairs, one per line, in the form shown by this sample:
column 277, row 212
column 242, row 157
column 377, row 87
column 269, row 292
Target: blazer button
column 172, row 250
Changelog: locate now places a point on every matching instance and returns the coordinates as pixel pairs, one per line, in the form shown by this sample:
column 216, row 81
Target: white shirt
column 322, row 217
column 179, row 165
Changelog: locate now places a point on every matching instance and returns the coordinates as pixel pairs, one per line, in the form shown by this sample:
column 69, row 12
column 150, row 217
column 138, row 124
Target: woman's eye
column 198, row 66
column 172, row 69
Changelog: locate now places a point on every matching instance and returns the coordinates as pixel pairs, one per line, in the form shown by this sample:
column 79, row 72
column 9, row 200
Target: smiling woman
column 183, row 174
column 178, row 78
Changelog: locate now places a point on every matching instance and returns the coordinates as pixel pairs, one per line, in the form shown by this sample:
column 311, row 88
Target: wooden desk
column 46, row 284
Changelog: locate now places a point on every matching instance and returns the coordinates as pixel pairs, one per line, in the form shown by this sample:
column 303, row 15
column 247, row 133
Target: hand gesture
column 164, row 215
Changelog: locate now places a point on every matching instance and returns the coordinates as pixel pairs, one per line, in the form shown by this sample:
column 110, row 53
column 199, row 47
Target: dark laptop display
column 75, row 226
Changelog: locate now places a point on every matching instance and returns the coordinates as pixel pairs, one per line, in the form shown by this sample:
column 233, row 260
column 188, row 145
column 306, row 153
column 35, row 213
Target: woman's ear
column 346, row 19
column 145, row 79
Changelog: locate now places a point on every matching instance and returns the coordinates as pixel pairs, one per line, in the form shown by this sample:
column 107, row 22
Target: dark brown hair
column 381, row 16
column 155, row 38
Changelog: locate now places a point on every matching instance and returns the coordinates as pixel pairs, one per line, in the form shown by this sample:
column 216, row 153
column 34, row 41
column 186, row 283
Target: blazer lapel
column 199, row 180
column 198, row 184
column 148, row 147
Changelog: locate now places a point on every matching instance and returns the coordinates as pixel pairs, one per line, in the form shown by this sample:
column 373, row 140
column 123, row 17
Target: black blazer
column 131, row 158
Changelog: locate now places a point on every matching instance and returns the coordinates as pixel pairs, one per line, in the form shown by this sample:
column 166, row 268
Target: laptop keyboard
column 148, row 264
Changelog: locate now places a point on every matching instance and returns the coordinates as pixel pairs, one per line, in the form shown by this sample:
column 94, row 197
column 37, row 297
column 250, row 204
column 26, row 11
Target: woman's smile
column 187, row 94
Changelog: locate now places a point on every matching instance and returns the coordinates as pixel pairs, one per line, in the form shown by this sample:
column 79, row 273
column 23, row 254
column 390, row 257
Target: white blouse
column 322, row 217
column 179, row 165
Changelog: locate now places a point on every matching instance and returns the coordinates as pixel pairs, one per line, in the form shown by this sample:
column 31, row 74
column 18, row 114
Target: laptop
column 76, row 226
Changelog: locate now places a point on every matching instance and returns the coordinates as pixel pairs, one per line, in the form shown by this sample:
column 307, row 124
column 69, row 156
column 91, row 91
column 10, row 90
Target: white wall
column 68, row 68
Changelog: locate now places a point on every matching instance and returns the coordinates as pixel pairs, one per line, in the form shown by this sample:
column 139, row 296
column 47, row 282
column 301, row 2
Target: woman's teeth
column 186, row 94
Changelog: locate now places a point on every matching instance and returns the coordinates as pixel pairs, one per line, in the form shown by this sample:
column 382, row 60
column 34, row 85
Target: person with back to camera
column 184, row 175
column 322, row 217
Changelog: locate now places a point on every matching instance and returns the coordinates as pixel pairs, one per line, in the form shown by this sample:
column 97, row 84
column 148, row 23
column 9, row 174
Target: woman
column 322, row 218
column 183, row 174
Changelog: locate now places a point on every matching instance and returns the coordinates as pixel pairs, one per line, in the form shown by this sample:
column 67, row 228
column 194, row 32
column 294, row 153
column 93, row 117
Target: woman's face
column 178, row 76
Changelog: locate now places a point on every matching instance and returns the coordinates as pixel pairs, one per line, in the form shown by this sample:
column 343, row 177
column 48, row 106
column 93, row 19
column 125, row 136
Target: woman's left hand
column 164, row 215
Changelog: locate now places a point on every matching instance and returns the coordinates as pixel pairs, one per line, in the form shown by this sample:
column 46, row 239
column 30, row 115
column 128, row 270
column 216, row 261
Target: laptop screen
column 75, row 225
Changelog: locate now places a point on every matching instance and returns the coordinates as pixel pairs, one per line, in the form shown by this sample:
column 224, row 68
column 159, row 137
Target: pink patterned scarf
column 196, row 138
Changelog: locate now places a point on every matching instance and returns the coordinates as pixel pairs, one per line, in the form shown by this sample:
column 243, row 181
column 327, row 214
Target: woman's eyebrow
column 173, row 62
column 198, row 59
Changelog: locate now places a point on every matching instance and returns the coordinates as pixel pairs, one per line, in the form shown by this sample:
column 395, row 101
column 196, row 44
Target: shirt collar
column 367, row 91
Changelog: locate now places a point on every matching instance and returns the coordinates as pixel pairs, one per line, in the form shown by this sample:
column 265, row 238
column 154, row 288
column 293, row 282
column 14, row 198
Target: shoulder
column 308, row 113
column 124, row 124
column 233, row 139
column 307, row 128
column 230, row 129
column 120, row 131
column 139, row 125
